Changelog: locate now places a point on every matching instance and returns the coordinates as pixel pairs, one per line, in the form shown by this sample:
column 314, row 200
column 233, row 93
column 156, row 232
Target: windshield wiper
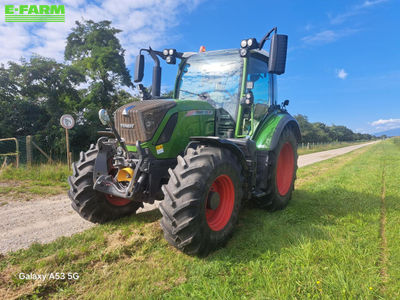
column 202, row 96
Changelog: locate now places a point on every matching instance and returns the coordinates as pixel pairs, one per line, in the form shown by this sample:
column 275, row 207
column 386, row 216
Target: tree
column 34, row 95
column 96, row 51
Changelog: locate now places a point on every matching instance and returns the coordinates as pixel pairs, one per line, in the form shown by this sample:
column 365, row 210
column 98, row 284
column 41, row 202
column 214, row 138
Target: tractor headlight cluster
column 170, row 56
column 247, row 45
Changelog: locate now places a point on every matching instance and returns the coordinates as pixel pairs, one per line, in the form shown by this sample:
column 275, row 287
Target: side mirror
column 104, row 117
column 277, row 54
column 139, row 68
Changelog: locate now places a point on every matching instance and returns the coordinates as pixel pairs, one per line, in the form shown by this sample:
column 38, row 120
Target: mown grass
column 21, row 183
column 326, row 244
column 325, row 147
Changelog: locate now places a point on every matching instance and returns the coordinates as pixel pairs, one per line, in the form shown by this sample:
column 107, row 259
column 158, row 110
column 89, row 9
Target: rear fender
column 267, row 137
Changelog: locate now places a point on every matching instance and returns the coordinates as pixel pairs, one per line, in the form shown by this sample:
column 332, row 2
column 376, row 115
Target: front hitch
column 105, row 183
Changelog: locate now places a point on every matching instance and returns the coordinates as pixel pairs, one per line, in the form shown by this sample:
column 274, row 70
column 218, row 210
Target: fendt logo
column 34, row 13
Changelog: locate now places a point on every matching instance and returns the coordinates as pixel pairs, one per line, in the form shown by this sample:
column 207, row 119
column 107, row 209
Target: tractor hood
column 138, row 121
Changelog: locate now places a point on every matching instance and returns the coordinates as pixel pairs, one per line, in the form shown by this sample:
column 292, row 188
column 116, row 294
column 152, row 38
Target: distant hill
column 391, row 132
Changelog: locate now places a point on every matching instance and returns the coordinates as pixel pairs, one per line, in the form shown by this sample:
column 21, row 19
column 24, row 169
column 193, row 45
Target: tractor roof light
column 252, row 43
column 170, row 60
column 248, row 44
column 171, row 51
column 165, row 52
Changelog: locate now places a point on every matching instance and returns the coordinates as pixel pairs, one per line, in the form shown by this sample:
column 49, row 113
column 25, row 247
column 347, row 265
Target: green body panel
column 195, row 118
column 266, row 132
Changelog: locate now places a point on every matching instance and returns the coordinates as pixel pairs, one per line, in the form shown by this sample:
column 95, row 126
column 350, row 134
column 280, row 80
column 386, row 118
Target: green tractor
column 220, row 141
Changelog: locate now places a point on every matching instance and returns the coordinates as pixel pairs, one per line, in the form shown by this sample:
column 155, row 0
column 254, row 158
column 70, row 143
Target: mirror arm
column 117, row 136
column 266, row 37
column 153, row 55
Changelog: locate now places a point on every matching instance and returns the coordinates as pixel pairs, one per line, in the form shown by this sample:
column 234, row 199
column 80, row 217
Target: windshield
column 214, row 77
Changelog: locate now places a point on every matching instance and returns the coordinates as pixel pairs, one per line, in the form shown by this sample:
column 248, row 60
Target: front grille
column 138, row 121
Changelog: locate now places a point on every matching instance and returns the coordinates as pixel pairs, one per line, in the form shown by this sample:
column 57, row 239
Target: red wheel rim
column 285, row 169
column 117, row 201
column 219, row 217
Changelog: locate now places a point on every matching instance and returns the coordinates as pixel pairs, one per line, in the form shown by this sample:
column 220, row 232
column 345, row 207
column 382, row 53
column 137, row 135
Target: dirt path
column 312, row 158
column 44, row 220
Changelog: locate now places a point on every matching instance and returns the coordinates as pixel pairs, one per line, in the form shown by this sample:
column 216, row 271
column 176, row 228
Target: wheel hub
column 213, row 200
column 220, row 202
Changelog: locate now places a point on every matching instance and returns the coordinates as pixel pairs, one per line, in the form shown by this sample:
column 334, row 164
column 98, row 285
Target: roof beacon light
column 202, row 49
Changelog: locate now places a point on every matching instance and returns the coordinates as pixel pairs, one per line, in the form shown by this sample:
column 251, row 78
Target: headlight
column 243, row 44
column 171, row 51
column 165, row 52
column 249, row 42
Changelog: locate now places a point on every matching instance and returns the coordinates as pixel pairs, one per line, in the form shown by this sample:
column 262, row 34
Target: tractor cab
column 224, row 78
column 240, row 84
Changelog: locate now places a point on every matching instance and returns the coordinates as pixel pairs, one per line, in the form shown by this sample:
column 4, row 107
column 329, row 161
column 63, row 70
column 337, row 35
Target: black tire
column 277, row 195
column 199, row 175
column 89, row 203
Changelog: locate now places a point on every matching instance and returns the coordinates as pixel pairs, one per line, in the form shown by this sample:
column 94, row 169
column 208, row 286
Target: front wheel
column 281, row 173
column 202, row 200
column 90, row 204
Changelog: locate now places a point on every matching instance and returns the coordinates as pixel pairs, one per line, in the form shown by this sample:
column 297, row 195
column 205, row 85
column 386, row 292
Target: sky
column 343, row 63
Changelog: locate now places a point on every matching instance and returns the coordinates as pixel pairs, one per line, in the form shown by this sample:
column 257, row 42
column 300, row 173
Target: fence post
column 28, row 150
column 17, row 148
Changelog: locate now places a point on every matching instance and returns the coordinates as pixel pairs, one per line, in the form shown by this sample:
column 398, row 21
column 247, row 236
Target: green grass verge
column 329, row 146
column 46, row 179
column 326, row 244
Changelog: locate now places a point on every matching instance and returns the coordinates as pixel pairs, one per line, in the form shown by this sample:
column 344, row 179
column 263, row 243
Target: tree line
column 321, row 133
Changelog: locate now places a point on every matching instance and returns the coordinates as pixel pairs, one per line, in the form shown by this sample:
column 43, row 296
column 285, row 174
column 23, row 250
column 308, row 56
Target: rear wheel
column 202, row 200
column 92, row 205
column 282, row 167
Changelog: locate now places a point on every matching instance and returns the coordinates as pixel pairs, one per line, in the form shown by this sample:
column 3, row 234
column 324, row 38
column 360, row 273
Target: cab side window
column 257, row 73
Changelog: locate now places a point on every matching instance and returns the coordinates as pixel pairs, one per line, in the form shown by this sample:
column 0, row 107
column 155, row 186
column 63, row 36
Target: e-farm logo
column 35, row 13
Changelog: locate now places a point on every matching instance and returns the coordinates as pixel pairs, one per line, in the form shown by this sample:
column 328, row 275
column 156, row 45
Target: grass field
column 337, row 239
column 324, row 147
column 41, row 180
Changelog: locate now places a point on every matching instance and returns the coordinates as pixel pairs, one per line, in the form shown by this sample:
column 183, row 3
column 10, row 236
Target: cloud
column 327, row 36
column 386, row 124
column 355, row 10
column 143, row 23
column 369, row 3
column 341, row 73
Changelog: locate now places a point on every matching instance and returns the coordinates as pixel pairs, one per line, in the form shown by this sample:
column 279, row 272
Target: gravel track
column 44, row 220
